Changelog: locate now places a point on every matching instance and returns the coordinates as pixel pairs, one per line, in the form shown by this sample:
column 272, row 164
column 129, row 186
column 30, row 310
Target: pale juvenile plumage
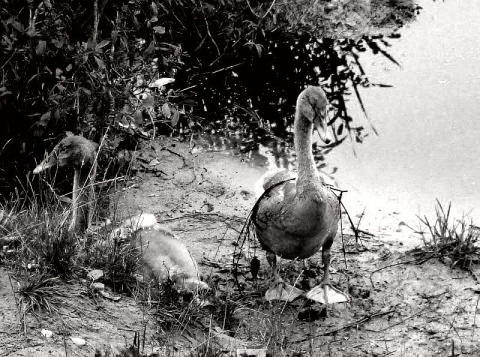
column 163, row 254
column 296, row 217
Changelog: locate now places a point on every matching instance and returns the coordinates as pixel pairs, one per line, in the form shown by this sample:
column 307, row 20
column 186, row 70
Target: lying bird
column 163, row 255
column 295, row 217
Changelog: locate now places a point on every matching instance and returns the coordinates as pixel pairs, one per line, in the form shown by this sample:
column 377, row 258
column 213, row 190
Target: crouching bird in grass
column 295, row 217
column 78, row 153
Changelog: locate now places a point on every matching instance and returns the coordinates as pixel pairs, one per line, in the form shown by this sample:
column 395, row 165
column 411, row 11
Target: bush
column 86, row 67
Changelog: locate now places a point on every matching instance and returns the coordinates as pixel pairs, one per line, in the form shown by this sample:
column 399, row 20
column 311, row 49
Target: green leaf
column 90, row 44
column 57, row 43
column 138, row 116
column 100, row 63
column 102, row 44
column 148, row 101
column 340, row 129
column 149, row 51
column 166, row 110
column 31, row 32
column 175, row 117
column 85, row 90
column 259, row 49
column 154, row 8
column 18, row 26
column 159, row 29
column 44, row 119
column 41, row 48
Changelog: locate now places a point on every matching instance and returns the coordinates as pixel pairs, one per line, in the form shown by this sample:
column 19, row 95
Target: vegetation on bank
column 91, row 68
column 88, row 67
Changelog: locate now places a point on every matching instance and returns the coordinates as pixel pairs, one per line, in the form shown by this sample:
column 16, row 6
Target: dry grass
column 39, row 292
column 453, row 241
column 42, row 256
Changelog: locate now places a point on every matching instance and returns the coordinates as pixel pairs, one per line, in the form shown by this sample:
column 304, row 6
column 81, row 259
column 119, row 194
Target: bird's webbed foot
column 327, row 294
column 280, row 290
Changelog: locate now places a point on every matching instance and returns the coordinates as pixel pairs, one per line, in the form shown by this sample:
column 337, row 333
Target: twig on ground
column 354, row 228
column 177, row 154
column 365, row 232
column 214, row 217
column 475, row 319
column 401, row 321
column 350, row 325
column 416, row 261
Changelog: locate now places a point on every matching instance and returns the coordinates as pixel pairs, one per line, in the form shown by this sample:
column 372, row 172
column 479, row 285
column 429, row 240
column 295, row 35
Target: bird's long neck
column 307, row 172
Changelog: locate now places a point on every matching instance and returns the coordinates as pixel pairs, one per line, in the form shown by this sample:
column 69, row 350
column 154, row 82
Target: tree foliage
column 87, row 67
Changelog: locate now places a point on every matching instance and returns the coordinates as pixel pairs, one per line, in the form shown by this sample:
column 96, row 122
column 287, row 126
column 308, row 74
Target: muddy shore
column 400, row 305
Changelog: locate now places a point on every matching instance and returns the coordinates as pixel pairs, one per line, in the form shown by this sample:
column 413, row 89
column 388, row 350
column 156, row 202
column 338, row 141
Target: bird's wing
column 274, row 207
column 276, row 178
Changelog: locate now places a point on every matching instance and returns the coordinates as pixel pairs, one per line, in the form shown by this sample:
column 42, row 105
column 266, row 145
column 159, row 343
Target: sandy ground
column 400, row 305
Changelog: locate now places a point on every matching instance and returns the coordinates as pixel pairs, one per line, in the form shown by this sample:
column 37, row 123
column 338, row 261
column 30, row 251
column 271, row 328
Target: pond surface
column 428, row 123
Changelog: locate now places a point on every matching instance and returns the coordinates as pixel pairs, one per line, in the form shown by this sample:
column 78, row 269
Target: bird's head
column 74, row 151
column 312, row 104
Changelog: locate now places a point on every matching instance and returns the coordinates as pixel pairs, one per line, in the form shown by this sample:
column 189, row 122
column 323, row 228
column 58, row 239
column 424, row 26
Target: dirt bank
column 400, row 305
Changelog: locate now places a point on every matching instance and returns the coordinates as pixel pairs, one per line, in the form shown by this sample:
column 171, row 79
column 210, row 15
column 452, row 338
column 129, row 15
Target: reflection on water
column 428, row 124
column 268, row 154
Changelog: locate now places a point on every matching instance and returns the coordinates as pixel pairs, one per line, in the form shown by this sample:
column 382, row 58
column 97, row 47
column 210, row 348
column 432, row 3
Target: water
column 429, row 122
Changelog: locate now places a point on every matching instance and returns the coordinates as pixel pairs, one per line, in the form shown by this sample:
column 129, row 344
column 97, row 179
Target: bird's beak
column 44, row 165
column 321, row 125
column 50, row 161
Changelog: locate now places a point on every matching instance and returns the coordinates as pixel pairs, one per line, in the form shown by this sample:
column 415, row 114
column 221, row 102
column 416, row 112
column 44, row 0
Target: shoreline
column 204, row 199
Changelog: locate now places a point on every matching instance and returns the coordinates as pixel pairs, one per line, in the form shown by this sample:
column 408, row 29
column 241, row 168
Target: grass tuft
column 39, row 292
column 453, row 241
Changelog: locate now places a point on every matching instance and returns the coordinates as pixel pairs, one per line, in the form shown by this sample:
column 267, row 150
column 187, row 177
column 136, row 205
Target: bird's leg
column 272, row 261
column 75, row 194
column 330, row 294
column 279, row 289
column 326, row 262
column 91, row 198
column 325, row 293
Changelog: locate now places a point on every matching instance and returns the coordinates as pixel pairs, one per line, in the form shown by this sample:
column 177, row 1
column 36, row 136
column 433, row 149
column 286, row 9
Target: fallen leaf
column 98, row 287
column 46, row 333
column 78, row 341
column 95, row 274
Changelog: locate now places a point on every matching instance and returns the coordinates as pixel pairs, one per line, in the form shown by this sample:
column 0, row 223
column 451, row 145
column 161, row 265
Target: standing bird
column 163, row 255
column 81, row 154
column 295, row 217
